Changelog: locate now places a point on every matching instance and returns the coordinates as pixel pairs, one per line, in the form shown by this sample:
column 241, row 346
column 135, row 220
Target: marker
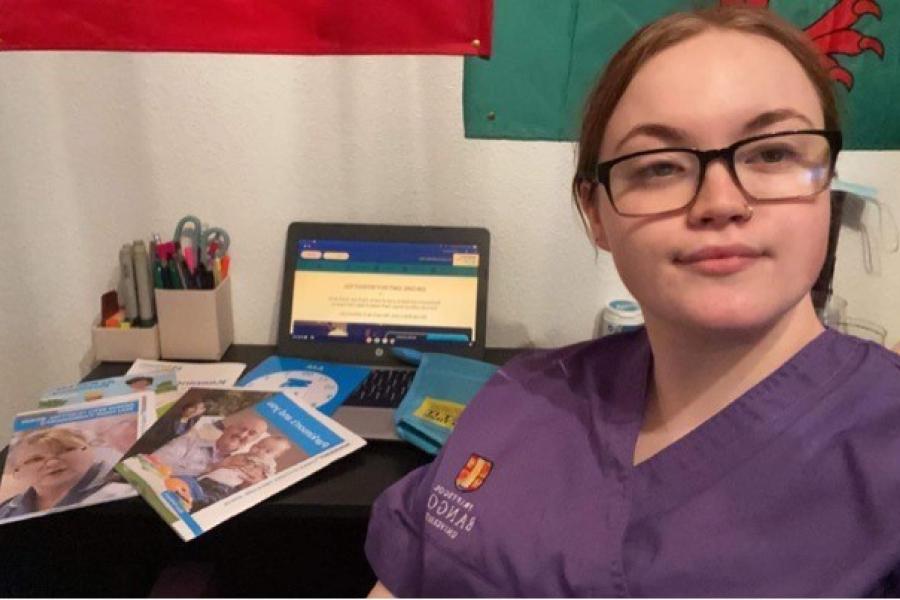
column 179, row 278
column 175, row 282
column 204, row 278
column 156, row 274
column 159, row 282
column 217, row 271
column 190, row 260
column 142, row 276
column 129, row 291
column 163, row 251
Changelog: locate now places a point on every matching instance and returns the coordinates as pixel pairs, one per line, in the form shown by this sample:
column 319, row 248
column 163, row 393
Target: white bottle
column 619, row 316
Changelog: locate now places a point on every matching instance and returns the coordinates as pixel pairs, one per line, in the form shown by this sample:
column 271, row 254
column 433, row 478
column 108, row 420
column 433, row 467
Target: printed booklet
column 162, row 383
column 187, row 375
column 62, row 458
column 220, row 451
column 324, row 385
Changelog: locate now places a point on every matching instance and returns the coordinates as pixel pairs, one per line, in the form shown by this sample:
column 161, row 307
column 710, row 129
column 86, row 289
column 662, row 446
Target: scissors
column 212, row 242
column 216, row 241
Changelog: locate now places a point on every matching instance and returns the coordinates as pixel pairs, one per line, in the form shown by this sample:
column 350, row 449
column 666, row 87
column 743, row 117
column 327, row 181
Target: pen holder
column 195, row 324
column 112, row 344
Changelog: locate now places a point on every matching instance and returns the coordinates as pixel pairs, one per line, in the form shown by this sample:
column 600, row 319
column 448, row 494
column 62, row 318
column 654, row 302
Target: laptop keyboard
column 382, row 388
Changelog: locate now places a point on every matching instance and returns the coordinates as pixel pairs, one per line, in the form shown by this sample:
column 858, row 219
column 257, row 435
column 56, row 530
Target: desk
column 305, row 541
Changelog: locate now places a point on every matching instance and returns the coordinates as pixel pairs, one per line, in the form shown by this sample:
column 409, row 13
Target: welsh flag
column 250, row 26
column 547, row 53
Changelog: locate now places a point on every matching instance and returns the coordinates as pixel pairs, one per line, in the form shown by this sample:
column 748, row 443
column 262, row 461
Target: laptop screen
column 384, row 293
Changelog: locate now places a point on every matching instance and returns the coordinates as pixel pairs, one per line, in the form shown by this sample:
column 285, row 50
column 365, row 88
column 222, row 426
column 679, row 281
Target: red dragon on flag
column 834, row 33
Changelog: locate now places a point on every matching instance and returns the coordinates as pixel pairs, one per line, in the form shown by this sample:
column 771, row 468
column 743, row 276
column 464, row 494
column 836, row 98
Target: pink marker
column 190, row 258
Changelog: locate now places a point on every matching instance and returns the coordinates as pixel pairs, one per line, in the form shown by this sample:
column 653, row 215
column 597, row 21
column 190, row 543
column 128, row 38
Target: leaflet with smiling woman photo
column 62, row 458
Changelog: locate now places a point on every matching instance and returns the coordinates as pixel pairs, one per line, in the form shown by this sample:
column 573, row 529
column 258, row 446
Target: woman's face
column 47, row 466
column 708, row 92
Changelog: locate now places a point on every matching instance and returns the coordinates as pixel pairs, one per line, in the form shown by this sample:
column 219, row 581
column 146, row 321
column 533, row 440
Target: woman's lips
column 719, row 260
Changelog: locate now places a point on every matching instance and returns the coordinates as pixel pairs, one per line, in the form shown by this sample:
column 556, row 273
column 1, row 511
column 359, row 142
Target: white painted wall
column 98, row 149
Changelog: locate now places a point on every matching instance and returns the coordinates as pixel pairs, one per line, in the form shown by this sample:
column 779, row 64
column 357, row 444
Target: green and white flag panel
column 547, row 54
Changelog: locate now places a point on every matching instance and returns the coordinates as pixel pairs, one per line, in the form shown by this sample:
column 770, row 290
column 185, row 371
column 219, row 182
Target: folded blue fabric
column 440, row 390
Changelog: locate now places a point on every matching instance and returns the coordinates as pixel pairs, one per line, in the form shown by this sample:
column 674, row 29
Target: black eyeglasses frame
column 834, row 138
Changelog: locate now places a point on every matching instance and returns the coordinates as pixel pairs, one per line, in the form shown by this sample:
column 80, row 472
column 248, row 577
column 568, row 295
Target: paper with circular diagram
column 323, row 385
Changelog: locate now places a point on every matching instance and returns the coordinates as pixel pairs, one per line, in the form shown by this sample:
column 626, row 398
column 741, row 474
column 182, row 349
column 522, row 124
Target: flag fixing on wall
column 250, row 26
column 547, row 53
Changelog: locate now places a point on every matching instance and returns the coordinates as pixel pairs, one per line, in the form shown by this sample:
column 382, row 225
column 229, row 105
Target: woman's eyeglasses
column 775, row 166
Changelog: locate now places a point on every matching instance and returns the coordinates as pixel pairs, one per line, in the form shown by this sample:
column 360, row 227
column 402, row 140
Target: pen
column 155, row 272
column 191, row 278
column 187, row 278
column 203, row 277
column 174, row 272
column 163, row 251
column 190, row 259
column 156, row 266
column 159, row 281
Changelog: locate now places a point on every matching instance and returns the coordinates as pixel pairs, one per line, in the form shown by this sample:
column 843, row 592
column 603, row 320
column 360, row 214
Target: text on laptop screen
column 384, row 292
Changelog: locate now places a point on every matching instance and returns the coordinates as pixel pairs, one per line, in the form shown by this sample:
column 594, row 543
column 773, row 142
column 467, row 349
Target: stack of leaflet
column 62, row 456
column 197, row 449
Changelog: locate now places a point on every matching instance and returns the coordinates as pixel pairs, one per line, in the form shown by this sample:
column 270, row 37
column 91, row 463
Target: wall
column 99, row 149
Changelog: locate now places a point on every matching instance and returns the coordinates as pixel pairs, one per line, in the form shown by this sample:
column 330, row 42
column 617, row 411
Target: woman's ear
column 589, row 202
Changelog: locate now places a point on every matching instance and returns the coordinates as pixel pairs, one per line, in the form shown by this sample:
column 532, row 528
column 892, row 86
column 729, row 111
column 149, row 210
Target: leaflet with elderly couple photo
column 219, row 451
column 62, row 458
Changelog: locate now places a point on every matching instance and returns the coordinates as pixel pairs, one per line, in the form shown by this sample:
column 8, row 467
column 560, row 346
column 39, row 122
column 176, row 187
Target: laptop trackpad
column 370, row 423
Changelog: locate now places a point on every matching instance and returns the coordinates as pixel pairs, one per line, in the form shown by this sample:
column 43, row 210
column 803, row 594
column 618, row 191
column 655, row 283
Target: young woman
column 733, row 446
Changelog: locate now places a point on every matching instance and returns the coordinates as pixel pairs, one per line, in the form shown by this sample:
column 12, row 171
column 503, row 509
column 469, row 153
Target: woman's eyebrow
column 670, row 135
column 675, row 136
column 770, row 117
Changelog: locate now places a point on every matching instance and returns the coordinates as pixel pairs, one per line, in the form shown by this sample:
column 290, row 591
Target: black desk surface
column 306, row 540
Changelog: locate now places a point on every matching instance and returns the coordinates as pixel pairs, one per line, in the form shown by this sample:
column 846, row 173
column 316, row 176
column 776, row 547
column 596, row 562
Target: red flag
column 250, row 26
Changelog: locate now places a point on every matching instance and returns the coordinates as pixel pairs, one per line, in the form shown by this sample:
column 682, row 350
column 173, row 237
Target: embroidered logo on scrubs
column 473, row 475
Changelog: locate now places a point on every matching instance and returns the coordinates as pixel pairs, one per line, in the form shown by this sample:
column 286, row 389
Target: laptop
column 352, row 293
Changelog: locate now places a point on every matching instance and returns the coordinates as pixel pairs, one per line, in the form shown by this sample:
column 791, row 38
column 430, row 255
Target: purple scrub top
column 791, row 490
